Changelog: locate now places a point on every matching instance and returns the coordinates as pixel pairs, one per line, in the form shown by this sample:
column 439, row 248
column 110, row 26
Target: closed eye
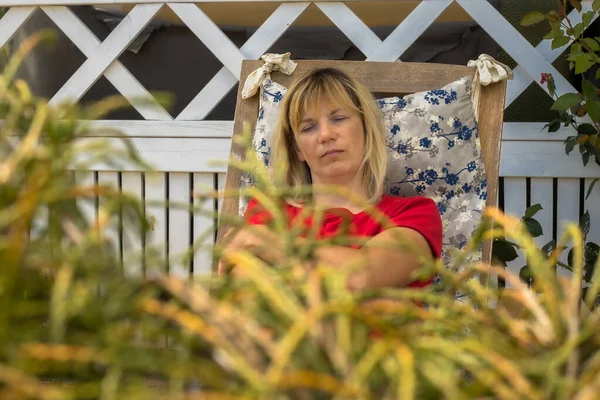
column 307, row 128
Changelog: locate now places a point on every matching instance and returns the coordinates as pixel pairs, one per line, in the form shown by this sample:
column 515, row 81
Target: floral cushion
column 433, row 147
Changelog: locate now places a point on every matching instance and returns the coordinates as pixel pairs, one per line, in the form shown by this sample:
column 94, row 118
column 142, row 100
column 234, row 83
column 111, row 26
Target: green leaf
column 570, row 144
column 589, row 90
column 553, row 126
column 560, row 41
column 589, row 191
column 586, row 129
column 583, row 63
column 566, row 101
column 533, row 226
column 531, row 211
column 585, row 157
column 596, row 5
column 584, row 223
column 592, row 44
column 576, row 4
column 548, row 247
column 532, row 18
column 593, row 109
column 504, row 251
column 525, row 275
column 587, row 17
column 578, row 30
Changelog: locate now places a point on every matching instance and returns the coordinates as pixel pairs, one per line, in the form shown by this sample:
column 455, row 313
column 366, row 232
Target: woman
column 330, row 132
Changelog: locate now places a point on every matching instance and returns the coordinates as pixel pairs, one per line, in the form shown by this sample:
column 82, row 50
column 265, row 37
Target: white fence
column 533, row 162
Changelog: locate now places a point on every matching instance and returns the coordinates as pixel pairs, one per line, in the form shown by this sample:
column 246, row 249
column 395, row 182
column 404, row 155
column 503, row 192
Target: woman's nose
column 327, row 132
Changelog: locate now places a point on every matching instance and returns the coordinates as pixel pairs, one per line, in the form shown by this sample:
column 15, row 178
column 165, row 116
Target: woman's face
column 331, row 139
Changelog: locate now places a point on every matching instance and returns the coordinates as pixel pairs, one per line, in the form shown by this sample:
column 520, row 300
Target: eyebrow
column 312, row 120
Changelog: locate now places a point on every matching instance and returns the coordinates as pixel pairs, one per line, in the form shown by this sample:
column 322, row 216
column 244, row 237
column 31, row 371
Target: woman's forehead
column 324, row 106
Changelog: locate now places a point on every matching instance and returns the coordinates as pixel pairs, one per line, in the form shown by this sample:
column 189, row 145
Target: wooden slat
column 542, row 194
column 111, row 231
column 409, row 30
column 156, row 241
column 515, row 203
column 592, row 205
column 373, row 12
column 204, row 223
column 534, row 131
column 543, row 159
column 514, row 43
column 353, row 27
column 268, row 33
column 13, row 19
column 175, row 154
column 107, row 52
column 179, row 224
column 131, row 182
column 160, row 129
column 211, row 36
column 87, row 206
column 116, row 73
column 567, row 210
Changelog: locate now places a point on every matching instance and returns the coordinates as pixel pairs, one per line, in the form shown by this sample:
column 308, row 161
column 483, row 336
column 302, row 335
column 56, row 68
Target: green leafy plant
column 72, row 326
column 582, row 57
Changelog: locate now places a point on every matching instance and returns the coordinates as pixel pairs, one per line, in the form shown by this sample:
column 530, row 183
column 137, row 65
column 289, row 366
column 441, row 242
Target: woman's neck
column 352, row 199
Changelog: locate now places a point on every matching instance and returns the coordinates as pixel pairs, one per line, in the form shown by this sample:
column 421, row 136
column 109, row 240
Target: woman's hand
column 257, row 239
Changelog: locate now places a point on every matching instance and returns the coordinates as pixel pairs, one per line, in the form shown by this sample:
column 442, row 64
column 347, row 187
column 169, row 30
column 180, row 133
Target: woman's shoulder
column 395, row 202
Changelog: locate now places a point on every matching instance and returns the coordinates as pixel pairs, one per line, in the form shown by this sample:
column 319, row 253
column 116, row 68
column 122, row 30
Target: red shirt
column 417, row 213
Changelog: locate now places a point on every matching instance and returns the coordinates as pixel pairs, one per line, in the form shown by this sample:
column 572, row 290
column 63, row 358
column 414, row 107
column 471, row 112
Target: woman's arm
column 385, row 263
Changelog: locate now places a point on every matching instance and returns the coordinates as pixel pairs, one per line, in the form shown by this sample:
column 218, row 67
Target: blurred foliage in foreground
column 72, row 327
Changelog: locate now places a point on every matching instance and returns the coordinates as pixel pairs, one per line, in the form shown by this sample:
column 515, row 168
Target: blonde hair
column 314, row 87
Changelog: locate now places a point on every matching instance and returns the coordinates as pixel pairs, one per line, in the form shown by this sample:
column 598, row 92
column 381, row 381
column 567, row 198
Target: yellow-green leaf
column 592, row 44
column 583, row 63
column 566, row 101
column 596, row 5
column 532, row 18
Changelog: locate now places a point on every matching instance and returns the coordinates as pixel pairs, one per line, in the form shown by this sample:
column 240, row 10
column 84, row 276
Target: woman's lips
column 331, row 153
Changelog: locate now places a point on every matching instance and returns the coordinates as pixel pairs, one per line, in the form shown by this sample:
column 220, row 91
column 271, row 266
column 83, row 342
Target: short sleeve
column 256, row 214
column 419, row 214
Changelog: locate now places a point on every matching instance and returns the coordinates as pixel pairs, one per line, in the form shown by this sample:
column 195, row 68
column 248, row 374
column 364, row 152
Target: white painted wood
column 209, row 33
column 534, row 131
column 14, row 18
column 161, row 129
column 175, row 154
column 204, row 223
column 87, row 205
column 515, row 204
column 542, row 194
column 156, row 214
column 179, row 224
column 567, row 211
column 111, row 230
column 107, row 52
column 353, row 27
column 116, row 73
column 220, row 187
column 131, row 183
column 514, row 43
column 409, row 30
column 543, row 159
column 522, row 79
column 9, row 3
column 592, row 205
column 264, row 37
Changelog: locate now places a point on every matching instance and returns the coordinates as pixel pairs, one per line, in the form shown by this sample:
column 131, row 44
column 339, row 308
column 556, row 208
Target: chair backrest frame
column 387, row 79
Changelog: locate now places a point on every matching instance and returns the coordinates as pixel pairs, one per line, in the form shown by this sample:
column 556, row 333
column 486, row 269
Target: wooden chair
column 387, row 79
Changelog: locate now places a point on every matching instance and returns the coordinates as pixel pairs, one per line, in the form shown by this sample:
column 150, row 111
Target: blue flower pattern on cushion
column 433, row 150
